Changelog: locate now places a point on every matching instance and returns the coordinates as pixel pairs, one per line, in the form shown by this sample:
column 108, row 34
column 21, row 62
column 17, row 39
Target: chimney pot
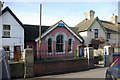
column 113, row 19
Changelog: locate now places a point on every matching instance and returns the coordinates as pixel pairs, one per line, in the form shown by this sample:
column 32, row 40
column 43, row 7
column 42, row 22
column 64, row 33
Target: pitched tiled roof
column 75, row 30
column 14, row 16
column 32, row 31
column 85, row 24
column 110, row 27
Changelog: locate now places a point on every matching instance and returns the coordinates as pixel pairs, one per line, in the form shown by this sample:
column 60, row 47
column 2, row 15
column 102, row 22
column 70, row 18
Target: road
column 92, row 74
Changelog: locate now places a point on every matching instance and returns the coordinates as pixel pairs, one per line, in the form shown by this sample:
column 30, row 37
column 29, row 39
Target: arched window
column 59, row 43
column 70, row 45
column 49, row 45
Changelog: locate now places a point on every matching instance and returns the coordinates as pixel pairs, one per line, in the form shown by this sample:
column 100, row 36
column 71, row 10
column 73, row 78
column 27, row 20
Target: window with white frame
column 59, row 43
column 6, row 30
column 70, row 45
column 49, row 45
column 96, row 33
column 108, row 35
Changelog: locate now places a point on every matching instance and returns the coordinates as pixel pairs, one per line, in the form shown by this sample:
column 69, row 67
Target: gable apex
column 61, row 25
column 14, row 16
column 97, row 19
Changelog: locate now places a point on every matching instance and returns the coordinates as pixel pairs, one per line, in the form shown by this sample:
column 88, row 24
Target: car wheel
column 108, row 76
column 112, row 77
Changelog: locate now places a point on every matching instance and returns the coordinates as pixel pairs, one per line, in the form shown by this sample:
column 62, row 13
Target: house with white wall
column 104, row 32
column 12, row 33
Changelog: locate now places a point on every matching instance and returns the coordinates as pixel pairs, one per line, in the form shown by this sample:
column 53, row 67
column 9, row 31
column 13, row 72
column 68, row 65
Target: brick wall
column 45, row 67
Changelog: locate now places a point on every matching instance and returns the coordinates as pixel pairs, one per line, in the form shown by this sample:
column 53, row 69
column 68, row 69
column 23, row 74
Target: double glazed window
column 96, row 33
column 59, row 43
column 6, row 30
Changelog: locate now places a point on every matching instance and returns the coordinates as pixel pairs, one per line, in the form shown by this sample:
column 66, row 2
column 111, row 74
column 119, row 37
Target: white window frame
column 50, row 53
column 6, row 30
column 63, row 52
column 70, row 47
column 96, row 33
column 108, row 35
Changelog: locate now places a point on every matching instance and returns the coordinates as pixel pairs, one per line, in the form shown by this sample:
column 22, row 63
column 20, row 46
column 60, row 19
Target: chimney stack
column 113, row 19
column 89, row 14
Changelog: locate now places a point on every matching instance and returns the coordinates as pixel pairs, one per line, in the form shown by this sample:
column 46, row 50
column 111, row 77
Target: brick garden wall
column 46, row 67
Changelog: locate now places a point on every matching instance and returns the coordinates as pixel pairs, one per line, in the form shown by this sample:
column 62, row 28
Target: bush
column 76, row 55
column 101, row 58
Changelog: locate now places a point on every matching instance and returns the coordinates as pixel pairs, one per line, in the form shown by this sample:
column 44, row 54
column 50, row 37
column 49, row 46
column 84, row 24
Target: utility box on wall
column 108, row 55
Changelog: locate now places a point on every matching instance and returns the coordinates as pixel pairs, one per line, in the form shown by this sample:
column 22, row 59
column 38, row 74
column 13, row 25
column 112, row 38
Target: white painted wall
column 16, row 32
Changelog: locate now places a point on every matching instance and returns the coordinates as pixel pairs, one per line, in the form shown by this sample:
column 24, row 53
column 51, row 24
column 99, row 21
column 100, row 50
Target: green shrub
column 76, row 56
column 101, row 58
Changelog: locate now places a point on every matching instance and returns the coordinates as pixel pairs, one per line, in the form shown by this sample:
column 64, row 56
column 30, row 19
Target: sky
column 71, row 12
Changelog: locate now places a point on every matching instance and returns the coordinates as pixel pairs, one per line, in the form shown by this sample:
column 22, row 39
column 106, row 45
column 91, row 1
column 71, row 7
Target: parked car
column 113, row 72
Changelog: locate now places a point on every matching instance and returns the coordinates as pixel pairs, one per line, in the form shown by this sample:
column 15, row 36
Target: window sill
column 49, row 53
column 6, row 37
column 60, row 53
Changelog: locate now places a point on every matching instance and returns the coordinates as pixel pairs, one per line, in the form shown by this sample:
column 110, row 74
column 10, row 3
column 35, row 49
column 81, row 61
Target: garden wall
column 16, row 69
column 46, row 67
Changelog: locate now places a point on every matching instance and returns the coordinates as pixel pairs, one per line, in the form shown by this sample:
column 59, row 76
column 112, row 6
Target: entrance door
column 81, row 51
column 17, row 52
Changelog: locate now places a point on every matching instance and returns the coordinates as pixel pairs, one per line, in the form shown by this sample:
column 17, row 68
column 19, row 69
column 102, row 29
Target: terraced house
column 12, row 34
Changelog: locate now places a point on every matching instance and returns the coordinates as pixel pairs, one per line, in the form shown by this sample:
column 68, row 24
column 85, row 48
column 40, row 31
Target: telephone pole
column 40, row 25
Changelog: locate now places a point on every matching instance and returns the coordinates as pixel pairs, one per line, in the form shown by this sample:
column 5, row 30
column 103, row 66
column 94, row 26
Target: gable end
column 14, row 16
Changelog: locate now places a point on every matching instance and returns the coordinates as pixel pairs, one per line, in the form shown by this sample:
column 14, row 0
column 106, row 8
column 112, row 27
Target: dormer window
column 6, row 30
column 96, row 33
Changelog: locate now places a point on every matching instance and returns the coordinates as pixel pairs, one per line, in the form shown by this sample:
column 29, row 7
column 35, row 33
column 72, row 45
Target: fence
column 53, row 54
column 44, row 55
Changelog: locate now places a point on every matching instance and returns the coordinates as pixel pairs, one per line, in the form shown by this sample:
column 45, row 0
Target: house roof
column 110, row 27
column 32, row 31
column 65, row 25
column 86, row 24
column 14, row 16
column 75, row 30
column 107, row 26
